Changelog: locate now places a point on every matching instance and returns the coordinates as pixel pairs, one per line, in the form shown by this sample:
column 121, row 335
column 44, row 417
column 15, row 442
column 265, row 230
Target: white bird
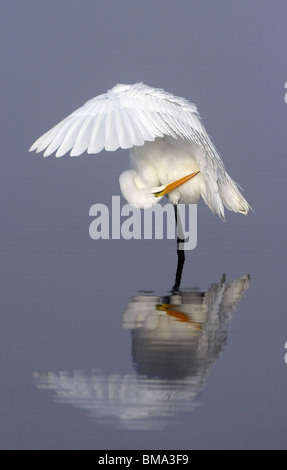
column 171, row 152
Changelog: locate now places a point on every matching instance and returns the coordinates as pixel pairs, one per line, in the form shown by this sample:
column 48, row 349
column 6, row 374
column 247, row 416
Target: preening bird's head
column 137, row 193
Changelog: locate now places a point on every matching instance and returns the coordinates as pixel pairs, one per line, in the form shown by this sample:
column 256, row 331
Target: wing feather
column 125, row 116
column 43, row 142
column 98, row 136
column 70, row 136
column 146, row 116
column 133, row 129
column 127, row 136
column 142, row 123
column 55, row 142
column 112, row 136
column 83, row 137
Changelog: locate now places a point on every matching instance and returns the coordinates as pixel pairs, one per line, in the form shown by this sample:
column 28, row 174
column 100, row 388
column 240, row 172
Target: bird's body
column 167, row 140
column 156, row 164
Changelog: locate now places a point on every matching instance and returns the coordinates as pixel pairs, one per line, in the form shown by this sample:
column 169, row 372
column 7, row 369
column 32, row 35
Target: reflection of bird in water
column 180, row 335
column 175, row 341
column 171, row 154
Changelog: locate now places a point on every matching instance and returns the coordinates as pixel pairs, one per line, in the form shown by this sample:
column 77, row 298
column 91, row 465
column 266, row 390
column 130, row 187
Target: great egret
column 171, row 152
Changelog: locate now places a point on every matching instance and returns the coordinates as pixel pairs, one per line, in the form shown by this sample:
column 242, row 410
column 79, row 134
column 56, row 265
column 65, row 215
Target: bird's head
column 138, row 194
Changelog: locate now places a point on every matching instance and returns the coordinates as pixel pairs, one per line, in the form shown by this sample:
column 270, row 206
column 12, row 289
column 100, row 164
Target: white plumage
column 167, row 142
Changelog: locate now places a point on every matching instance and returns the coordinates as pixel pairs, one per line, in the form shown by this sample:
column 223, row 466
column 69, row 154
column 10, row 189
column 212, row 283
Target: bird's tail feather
column 232, row 197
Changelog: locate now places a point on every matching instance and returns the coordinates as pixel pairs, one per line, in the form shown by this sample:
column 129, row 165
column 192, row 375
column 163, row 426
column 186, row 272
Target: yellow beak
column 175, row 184
column 179, row 316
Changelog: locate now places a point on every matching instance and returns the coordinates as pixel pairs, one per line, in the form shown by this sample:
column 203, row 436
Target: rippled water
column 175, row 342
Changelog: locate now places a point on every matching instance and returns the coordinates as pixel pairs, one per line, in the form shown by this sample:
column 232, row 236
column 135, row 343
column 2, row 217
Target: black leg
column 180, row 254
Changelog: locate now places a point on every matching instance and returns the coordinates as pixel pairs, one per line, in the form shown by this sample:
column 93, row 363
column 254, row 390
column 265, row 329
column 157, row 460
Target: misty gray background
column 62, row 294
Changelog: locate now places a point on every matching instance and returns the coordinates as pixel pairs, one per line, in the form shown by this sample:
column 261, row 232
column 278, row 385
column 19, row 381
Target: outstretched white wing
column 130, row 115
column 125, row 116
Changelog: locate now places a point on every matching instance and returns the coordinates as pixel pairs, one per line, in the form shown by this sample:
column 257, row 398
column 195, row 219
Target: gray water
column 96, row 353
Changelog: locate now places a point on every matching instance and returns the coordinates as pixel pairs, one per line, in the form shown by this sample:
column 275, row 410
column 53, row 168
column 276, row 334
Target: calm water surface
column 93, row 341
